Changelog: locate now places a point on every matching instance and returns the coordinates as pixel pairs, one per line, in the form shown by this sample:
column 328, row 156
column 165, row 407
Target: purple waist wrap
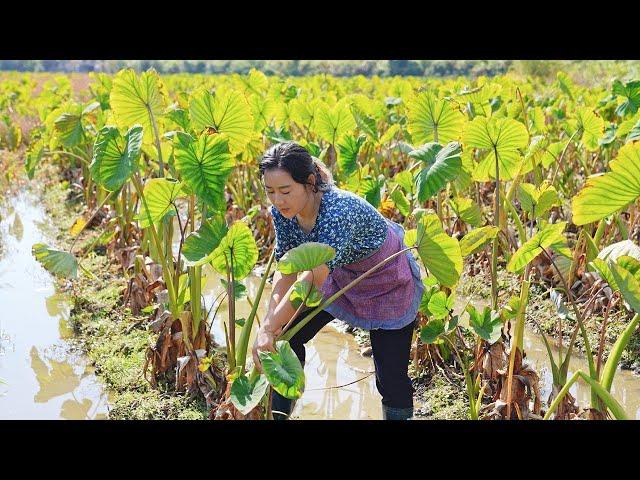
column 388, row 298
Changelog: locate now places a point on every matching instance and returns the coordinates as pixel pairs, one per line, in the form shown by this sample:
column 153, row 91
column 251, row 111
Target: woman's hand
column 265, row 340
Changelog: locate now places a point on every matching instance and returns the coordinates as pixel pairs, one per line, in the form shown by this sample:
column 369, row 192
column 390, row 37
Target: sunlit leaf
column 607, row 193
column 59, row 263
column 439, row 252
column 246, row 395
column 304, row 257
column 283, row 370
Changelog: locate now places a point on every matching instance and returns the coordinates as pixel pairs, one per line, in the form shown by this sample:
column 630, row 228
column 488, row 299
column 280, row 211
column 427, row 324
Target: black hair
column 298, row 162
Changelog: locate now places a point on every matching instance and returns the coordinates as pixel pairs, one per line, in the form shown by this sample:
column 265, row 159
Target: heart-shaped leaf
column 227, row 113
column 430, row 119
column 199, row 245
column 431, row 332
column 283, row 370
column 204, row 164
column 160, row 195
column 443, row 164
column 440, row 305
column 631, row 92
column 137, row 100
column 504, row 136
column 486, row 324
column 332, row 123
column 348, row 149
column 467, row 210
column 628, row 285
column 301, row 292
column 306, row 256
column 439, row 252
column 540, row 198
column 549, row 237
column 238, row 247
column 477, row 238
column 246, row 395
column 605, row 194
column 589, row 126
column 69, row 128
column 115, row 158
column 59, row 263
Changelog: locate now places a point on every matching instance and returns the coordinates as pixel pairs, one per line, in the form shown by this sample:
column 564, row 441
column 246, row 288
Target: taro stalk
column 231, row 252
column 158, row 201
column 626, row 276
column 550, row 237
column 536, row 202
column 204, row 164
column 440, row 254
column 614, row 264
column 434, row 120
column 443, row 327
column 486, row 354
column 504, row 137
column 607, row 194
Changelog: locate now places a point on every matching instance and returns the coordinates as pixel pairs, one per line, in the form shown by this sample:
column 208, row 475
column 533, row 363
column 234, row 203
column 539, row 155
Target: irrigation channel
column 47, row 377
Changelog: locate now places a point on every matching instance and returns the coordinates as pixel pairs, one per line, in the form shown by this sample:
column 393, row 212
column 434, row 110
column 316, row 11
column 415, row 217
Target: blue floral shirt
column 347, row 222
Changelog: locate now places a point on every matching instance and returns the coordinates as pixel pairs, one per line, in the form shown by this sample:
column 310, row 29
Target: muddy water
column 45, row 377
column 332, row 360
column 625, row 388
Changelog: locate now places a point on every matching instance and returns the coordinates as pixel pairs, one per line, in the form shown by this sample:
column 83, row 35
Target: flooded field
column 45, row 376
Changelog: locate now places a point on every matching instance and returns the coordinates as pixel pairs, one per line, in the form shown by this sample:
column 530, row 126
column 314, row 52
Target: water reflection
column 338, row 382
column 44, row 377
column 17, row 229
column 54, row 377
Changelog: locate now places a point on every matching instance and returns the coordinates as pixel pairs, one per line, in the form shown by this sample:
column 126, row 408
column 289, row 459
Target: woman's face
column 287, row 195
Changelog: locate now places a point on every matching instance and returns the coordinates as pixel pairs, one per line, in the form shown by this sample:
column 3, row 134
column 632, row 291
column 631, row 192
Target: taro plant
column 282, row 370
column 435, row 120
column 503, row 138
column 440, row 253
column 627, row 280
column 444, row 329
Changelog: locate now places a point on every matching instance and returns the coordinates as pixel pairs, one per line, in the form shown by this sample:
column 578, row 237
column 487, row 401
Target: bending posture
column 307, row 207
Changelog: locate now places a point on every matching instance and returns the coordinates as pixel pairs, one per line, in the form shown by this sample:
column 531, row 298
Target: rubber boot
column 280, row 404
column 392, row 413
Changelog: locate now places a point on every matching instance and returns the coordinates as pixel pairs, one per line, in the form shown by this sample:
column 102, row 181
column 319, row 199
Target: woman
column 307, row 207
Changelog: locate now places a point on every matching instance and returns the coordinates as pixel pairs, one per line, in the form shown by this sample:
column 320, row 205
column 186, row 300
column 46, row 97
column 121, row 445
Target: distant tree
column 404, row 67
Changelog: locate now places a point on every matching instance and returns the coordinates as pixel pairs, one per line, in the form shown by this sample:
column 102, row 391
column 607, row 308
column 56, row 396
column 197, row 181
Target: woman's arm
column 280, row 308
column 281, row 285
column 283, row 310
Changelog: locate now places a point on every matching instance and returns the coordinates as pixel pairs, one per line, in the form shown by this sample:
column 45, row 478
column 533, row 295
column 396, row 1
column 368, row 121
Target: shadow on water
column 45, row 377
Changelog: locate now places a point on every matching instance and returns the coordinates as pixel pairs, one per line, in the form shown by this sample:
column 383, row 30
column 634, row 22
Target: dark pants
column 391, row 351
